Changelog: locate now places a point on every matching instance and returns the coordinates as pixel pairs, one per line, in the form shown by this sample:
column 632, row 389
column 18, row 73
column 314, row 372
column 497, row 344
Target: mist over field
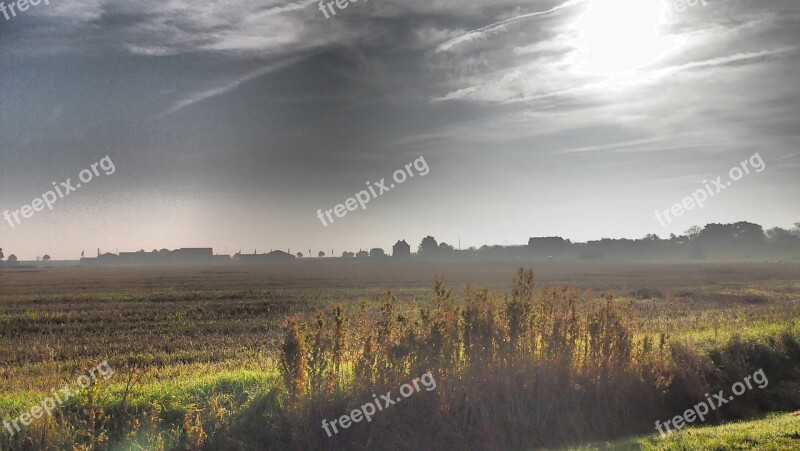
column 400, row 225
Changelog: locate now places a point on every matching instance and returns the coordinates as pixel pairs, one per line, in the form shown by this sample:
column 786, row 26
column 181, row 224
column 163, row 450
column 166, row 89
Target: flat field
column 197, row 350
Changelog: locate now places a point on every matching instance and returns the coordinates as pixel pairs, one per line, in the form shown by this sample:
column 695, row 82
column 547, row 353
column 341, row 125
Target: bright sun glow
column 621, row 35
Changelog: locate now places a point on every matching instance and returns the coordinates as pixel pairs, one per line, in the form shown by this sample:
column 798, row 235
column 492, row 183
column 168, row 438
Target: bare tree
column 693, row 232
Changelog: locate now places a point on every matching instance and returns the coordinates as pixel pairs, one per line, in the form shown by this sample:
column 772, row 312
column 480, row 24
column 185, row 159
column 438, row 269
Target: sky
column 231, row 123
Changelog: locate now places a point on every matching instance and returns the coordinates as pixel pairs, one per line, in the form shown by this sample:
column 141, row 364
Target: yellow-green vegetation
column 204, row 358
column 776, row 432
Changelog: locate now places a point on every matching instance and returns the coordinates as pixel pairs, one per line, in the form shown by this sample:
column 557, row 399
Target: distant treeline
column 742, row 241
column 737, row 241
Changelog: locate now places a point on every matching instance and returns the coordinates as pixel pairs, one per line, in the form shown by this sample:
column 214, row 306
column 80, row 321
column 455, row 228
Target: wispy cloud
column 630, row 79
column 483, row 32
column 286, row 8
column 231, row 85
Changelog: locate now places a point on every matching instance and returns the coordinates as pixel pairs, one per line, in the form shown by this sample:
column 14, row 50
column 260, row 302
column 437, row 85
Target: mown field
column 204, row 358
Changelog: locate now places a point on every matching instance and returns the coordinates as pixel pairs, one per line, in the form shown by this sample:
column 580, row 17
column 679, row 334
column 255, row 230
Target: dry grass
column 203, row 361
column 520, row 370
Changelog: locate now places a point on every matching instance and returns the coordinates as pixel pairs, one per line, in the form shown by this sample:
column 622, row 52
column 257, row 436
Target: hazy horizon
column 231, row 123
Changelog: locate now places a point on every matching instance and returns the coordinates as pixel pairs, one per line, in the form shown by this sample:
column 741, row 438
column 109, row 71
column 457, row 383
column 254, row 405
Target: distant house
column 401, row 249
column 272, row 257
column 131, row 258
column 183, row 256
column 192, row 255
column 552, row 242
column 88, row 261
column 108, row 257
column 548, row 246
column 105, row 259
column 280, row 256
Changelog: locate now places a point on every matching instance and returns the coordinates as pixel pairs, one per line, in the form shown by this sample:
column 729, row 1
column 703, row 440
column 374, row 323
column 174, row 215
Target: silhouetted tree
column 46, row 258
column 428, row 246
column 716, row 234
column 362, row 254
column 741, row 238
column 445, row 248
column 376, row 252
column 693, row 232
column 321, row 254
column 12, row 261
column 747, row 232
column 299, row 255
column 781, row 236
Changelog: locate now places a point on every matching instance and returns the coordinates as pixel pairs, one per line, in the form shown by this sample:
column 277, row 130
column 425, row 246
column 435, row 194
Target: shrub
column 525, row 369
column 512, row 368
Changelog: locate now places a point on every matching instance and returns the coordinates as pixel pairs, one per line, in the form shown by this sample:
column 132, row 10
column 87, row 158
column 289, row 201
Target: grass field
column 203, row 357
column 776, row 432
